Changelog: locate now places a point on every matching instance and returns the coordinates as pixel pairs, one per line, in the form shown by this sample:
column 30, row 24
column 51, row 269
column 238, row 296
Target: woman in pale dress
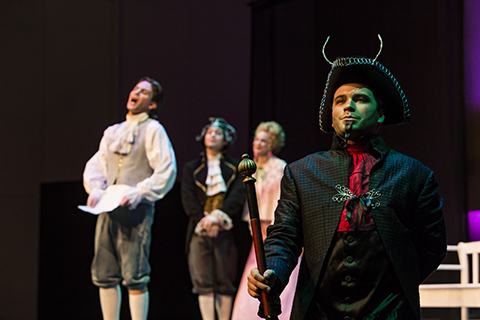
column 269, row 140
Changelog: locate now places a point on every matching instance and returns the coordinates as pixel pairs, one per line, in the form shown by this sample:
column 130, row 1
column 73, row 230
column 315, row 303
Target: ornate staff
column 247, row 167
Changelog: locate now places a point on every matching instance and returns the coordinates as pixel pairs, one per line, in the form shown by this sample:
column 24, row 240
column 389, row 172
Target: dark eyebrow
column 361, row 94
column 342, row 96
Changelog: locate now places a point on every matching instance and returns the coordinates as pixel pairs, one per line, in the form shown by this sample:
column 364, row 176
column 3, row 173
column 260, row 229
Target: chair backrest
column 464, row 250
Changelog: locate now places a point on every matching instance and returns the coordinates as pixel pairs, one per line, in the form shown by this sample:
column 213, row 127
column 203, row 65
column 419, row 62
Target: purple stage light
column 472, row 55
column 474, row 225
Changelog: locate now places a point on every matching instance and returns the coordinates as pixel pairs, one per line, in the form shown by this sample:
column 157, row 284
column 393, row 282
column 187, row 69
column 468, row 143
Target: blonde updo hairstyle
column 275, row 133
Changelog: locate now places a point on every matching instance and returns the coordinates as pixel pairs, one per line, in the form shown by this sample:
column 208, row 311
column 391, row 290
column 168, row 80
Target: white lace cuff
column 225, row 220
column 133, row 196
column 199, row 229
column 96, row 193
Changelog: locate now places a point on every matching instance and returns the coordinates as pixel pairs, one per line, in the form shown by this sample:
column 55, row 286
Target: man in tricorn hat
column 368, row 218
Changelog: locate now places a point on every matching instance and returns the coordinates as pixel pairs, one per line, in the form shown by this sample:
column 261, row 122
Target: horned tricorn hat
column 371, row 73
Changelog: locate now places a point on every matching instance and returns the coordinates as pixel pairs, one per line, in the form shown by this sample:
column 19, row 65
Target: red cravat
column 356, row 215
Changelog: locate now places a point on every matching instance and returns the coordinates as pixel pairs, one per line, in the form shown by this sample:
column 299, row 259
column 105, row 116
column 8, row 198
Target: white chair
column 463, row 295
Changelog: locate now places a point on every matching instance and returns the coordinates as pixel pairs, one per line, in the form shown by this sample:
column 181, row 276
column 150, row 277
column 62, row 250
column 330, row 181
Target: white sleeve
column 161, row 157
column 95, row 173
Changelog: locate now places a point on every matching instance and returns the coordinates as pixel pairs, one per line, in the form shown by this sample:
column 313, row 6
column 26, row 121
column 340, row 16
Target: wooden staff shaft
column 247, row 168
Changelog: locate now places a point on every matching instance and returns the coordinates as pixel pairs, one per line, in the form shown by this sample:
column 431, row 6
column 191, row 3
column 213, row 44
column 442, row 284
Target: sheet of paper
column 109, row 201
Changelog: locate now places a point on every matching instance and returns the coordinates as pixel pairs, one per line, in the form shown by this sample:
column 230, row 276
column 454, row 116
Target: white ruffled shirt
column 119, row 138
column 215, row 183
column 126, row 134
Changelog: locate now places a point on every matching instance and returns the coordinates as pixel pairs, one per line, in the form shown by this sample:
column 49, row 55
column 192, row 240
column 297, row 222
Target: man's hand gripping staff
column 247, row 167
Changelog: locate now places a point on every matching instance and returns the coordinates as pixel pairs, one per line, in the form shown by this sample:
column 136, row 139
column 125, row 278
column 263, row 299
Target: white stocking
column 205, row 301
column 224, row 306
column 139, row 305
column 110, row 301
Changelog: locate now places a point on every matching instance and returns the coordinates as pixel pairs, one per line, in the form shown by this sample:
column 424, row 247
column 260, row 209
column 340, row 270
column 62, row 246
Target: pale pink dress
column 268, row 192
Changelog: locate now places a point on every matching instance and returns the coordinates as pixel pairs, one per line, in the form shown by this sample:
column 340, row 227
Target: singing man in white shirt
column 137, row 153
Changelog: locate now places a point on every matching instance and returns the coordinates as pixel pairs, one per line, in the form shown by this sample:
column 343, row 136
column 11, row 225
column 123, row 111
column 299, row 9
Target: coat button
column 349, row 259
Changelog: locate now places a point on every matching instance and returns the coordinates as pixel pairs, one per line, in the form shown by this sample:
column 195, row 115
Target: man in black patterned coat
column 368, row 218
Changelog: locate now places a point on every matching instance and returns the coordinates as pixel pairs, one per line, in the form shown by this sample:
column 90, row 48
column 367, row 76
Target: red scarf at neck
column 355, row 215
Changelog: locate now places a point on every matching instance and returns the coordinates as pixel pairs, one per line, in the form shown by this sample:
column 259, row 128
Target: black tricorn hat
column 371, row 73
column 229, row 131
